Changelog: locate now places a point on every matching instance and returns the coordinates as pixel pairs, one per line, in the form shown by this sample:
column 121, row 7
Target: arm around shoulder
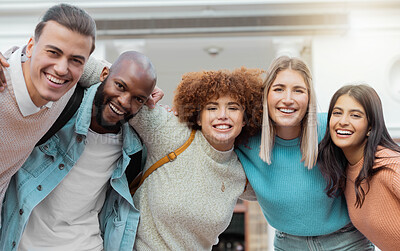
column 147, row 120
column 4, row 63
column 92, row 71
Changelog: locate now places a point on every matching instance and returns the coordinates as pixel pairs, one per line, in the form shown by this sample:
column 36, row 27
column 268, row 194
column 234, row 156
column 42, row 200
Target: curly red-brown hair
column 244, row 85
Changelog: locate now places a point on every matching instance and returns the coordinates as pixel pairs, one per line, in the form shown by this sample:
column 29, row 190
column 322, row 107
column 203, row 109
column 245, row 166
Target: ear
column 29, row 47
column 104, row 73
column 369, row 131
column 199, row 117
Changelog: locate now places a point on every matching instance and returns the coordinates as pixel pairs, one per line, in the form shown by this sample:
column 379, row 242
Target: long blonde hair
column 309, row 134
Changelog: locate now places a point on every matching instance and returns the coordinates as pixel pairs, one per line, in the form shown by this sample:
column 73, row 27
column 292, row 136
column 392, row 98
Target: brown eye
column 77, row 61
column 119, row 85
column 140, row 100
column 52, row 52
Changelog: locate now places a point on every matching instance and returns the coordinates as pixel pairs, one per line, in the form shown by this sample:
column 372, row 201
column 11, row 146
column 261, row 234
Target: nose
column 125, row 101
column 61, row 67
column 287, row 99
column 343, row 120
column 222, row 113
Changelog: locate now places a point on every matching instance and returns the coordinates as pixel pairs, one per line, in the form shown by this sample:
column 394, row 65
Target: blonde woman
column 280, row 165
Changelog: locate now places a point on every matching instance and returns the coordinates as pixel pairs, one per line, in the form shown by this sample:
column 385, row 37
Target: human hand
column 170, row 109
column 155, row 96
column 4, row 63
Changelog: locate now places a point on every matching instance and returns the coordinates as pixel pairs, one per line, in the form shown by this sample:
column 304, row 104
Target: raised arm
column 92, row 71
column 4, row 63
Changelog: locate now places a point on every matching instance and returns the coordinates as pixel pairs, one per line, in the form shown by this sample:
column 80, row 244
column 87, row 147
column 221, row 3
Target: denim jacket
column 50, row 162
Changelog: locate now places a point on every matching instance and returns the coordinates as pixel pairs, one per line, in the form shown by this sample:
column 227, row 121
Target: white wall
column 358, row 59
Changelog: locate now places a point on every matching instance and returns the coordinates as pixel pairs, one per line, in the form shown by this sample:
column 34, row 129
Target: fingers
column 174, row 111
column 3, row 61
column 170, row 109
column 151, row 103
column 157, row 94
column 166, row 107
column 3, row 82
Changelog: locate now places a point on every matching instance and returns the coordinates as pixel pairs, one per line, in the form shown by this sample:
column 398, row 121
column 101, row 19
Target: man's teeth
column 344, row 132
column 222, row 127
column 55, row 80
column 115, row 109
column 286, row 110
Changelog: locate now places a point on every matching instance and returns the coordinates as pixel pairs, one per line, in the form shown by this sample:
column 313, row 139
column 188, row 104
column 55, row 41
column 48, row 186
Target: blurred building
column 343, row 41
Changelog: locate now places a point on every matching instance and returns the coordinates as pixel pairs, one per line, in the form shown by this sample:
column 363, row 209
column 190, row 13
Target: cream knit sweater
column 379, row 217
column 187, row 203
column 20, row 134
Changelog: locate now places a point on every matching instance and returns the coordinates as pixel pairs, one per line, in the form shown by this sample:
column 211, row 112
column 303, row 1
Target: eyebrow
column 61, row 52
column 211, row 103
column 126, row 86
column 283, row 85
column 229, row 103
column 352, row 110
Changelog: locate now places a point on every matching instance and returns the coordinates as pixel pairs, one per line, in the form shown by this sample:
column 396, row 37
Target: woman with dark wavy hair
column 358, row 157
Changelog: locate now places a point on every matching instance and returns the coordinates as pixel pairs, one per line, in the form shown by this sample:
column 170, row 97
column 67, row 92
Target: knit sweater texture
column 20, row 134
column 187, row 203
column 379, row 217
column 292, row 197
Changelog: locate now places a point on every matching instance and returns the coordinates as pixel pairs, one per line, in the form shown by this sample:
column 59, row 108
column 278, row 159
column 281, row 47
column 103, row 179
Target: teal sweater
column 292, row 197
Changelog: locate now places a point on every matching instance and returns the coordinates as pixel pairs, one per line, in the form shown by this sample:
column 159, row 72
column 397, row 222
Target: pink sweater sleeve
column 396, row 182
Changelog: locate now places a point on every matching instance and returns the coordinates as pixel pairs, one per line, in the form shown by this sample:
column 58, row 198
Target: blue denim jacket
column 50, row 162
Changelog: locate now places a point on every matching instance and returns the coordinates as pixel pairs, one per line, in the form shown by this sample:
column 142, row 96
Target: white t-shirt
column 67, row 219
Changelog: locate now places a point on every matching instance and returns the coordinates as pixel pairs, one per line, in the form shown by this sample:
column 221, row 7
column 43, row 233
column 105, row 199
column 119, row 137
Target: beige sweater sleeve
column 93, row 69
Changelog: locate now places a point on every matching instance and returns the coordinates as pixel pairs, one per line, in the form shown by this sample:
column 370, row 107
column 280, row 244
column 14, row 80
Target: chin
column 51, row 98
column 52, row 95
column 225, row 143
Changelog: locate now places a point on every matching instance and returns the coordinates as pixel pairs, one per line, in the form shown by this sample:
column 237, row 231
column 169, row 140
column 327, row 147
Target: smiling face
column 221, row 121
column 124, row 91
column 55, row 62
column 348, row 127
column 288, row 103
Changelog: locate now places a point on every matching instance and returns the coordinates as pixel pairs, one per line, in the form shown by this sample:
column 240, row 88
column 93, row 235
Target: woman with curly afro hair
column 187, row 203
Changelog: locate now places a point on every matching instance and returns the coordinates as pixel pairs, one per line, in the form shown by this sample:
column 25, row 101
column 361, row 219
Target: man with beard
column 72, row 192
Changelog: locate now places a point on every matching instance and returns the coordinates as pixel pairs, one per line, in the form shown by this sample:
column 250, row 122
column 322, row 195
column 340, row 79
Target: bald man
column 72, row 192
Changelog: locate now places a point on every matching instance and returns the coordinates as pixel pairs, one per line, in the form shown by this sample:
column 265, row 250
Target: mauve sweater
column 379, row 217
